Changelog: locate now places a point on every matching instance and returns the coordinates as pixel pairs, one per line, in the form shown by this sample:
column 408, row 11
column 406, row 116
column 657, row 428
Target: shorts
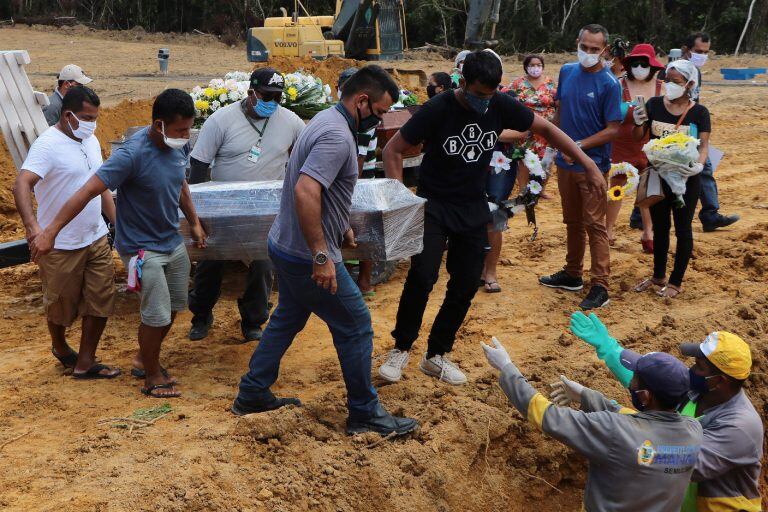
column 78, row 282
column 164, row 285
column 499, row 187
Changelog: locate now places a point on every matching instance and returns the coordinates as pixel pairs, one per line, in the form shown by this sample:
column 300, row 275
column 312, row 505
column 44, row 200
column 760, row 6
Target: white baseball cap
column 74, row 73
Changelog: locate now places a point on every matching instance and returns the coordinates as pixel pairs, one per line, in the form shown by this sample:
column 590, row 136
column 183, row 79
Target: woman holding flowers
column 640, row 80
column 678, row 115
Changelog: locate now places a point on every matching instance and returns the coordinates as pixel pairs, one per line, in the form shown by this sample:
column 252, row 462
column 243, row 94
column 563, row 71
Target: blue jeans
column 347, row 317
column 709, row 202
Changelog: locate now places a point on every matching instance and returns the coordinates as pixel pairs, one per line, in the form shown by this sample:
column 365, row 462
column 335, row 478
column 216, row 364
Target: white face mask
column 84, row 129
column 588, row 60
column 640, row 73
column 173, row 143
column 698, row 59
column 534, row 71
column 674, row 91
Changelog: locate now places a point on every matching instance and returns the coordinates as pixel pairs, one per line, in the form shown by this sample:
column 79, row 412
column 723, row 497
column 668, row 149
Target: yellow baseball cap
column 728, row 352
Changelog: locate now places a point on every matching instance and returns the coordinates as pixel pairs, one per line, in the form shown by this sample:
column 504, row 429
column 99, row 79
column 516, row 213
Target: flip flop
column 647, row 283
column 149, row 391
column 94, row 373
column 663, row 291
column 69, row 361
column 492, row 287
column 369, row 294
column 141, row 374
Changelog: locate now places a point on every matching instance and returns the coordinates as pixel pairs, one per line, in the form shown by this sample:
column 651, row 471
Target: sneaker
column 200, row 329
column 393, row 367
column 720, row 222
column 251, row 333
column 562, row 280
column 270, row 402
column 441, row 367
column 382, row 423
column 596, row 298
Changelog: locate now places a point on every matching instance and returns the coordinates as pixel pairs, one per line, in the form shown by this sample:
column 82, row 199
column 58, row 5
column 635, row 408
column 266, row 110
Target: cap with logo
column 74, row 73
column 662, row 373
column 727, row 351
column 268, row 80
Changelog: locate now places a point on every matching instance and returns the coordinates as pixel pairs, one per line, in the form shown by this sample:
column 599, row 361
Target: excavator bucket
column 409, row 78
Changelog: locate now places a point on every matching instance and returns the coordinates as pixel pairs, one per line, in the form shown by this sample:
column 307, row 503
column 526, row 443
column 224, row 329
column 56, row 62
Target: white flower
column 533, row 164
column 534, row 187
column 215, row 106
column 499, row 162
column 196, row 90
column 223, row 98
column 216, row 83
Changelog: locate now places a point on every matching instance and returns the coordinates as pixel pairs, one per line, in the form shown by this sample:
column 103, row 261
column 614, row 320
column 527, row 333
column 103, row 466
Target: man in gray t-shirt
column 245, row 141
column 70, row 76
column 305, row 246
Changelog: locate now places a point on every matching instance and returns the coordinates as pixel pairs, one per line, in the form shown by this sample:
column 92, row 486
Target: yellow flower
column 201, row 105
column 210, row 92
column 616, row 193
column 292, row 93
column 221, row 91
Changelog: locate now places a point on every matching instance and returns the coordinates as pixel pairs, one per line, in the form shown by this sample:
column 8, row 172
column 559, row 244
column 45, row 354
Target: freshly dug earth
column 473, row 453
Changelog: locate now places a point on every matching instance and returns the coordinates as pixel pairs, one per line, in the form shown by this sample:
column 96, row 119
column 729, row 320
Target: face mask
column 674, row 91
column 173, row 143
column 698, row 59
column 588, row 60
column 699, row 383
column 636, row 403
column 479, row 105
column 535, row 71
column 640, row 73
column 84, row 129
column 265, row 108
column 431, row 90
column 366, row 123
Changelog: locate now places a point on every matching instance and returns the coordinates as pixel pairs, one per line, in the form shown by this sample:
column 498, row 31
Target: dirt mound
column 327, row 70
column 113, row 121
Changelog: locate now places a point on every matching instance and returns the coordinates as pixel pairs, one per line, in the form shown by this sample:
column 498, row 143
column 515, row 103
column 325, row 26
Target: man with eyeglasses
column 246, row 141
column 70, row 76
column 78, row 274
column 589, row 112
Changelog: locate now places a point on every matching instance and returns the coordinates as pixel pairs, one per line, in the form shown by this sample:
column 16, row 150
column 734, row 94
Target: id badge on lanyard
column 255, row 153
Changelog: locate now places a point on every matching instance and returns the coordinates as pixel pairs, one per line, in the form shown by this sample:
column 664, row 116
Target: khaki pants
column 584, row 216
column 80, row 281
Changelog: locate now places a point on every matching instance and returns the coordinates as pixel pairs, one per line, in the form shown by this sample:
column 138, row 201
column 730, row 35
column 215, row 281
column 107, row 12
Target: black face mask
column 431, row 90
column 366, row 123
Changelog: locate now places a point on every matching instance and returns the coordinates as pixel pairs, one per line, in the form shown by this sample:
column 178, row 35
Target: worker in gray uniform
column 638, row 460
column 70, row 76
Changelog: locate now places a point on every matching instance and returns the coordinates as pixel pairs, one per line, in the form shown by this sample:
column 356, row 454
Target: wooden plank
column 23, row 103
column 27, row 93
column 5, row 128
column 42, row 100
column 13, row 133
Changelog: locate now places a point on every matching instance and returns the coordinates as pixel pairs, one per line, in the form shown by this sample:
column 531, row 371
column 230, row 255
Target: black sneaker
column 596, row 298
column 270, row 402
column 720, row 222
column 200, row 328
column 382, row 423
column 562, row 280
column 251, row 333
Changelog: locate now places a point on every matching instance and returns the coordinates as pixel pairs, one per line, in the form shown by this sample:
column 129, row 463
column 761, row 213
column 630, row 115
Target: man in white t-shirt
column 78, row 275
column 246, row 141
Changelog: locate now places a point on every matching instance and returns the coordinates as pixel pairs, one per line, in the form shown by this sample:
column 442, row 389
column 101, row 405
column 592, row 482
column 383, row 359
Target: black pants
column 683, row 217
column 253, row 305
column 466, row 253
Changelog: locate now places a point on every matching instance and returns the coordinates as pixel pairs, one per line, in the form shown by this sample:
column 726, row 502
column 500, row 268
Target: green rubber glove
column 592, row 330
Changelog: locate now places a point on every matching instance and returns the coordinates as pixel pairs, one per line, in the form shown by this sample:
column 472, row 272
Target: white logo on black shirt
column 472, row 143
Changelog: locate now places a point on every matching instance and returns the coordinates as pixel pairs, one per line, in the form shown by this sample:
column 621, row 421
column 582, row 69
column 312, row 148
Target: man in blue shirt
column 149, row 175
column 589, row 112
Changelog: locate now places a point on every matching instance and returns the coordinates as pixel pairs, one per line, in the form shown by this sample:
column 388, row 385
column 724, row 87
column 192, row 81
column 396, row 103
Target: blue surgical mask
column 478, row 104
column 636, row 403
column 265, row 108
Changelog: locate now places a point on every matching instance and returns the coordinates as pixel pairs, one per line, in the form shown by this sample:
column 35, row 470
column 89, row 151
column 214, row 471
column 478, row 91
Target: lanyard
column 250, row 121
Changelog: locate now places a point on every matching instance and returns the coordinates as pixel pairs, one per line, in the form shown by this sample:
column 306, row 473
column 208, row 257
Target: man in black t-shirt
column 459, row 129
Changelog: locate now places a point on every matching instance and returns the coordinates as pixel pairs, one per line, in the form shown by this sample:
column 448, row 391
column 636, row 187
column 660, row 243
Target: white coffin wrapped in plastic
column 388, row 220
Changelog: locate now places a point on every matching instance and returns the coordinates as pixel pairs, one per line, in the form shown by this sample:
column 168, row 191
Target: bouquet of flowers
column 618, row 192
column 406, row 99
column 529, row 197
column 674, row 157
column 305, row 94
column 219, row 93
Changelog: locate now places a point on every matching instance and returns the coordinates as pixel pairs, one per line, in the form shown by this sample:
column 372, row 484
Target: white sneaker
column 442, row 368
column 393, row 367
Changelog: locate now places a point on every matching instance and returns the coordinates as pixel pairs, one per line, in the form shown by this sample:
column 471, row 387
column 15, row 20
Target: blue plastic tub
column 741, row 73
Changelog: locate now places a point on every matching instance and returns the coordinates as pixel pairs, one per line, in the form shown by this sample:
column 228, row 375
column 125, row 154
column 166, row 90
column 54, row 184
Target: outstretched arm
column 592, row 330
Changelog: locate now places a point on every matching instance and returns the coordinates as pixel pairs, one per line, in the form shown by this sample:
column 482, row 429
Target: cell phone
column 640, row 101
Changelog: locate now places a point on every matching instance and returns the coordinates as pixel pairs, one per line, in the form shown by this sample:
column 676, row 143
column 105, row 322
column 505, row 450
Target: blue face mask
column 265, row 108
column 636, row 403
column 478, row 104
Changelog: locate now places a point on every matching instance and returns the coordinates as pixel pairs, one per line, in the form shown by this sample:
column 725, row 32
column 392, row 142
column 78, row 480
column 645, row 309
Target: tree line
column 524, row 25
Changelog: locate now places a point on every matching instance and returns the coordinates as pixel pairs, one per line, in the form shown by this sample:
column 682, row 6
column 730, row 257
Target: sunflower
column 616, row 193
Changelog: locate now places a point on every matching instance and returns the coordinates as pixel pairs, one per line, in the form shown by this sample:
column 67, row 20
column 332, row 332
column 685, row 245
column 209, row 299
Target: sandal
column 150, row 391
column 492, row 287
column 648, row 283
column 670, row 291
column 647, row 246
column 94, row 372
column 141, row 374
column 69, row 361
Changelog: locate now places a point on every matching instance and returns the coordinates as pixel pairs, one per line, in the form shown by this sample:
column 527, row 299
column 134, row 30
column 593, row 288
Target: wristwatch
column 578, row 143
column 320, row 258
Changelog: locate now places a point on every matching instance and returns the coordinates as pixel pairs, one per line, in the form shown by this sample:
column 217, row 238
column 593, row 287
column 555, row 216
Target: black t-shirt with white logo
column 458, row 145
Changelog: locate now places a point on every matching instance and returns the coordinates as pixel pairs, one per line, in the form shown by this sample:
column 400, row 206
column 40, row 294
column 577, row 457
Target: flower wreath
column 618, row 192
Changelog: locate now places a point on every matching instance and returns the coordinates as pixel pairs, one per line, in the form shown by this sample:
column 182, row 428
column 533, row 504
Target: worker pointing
column 638, row 460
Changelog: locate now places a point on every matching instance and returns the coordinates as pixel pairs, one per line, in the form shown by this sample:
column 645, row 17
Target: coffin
column 388, row 220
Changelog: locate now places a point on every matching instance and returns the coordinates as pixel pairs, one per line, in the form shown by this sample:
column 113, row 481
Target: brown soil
column 474, row 453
